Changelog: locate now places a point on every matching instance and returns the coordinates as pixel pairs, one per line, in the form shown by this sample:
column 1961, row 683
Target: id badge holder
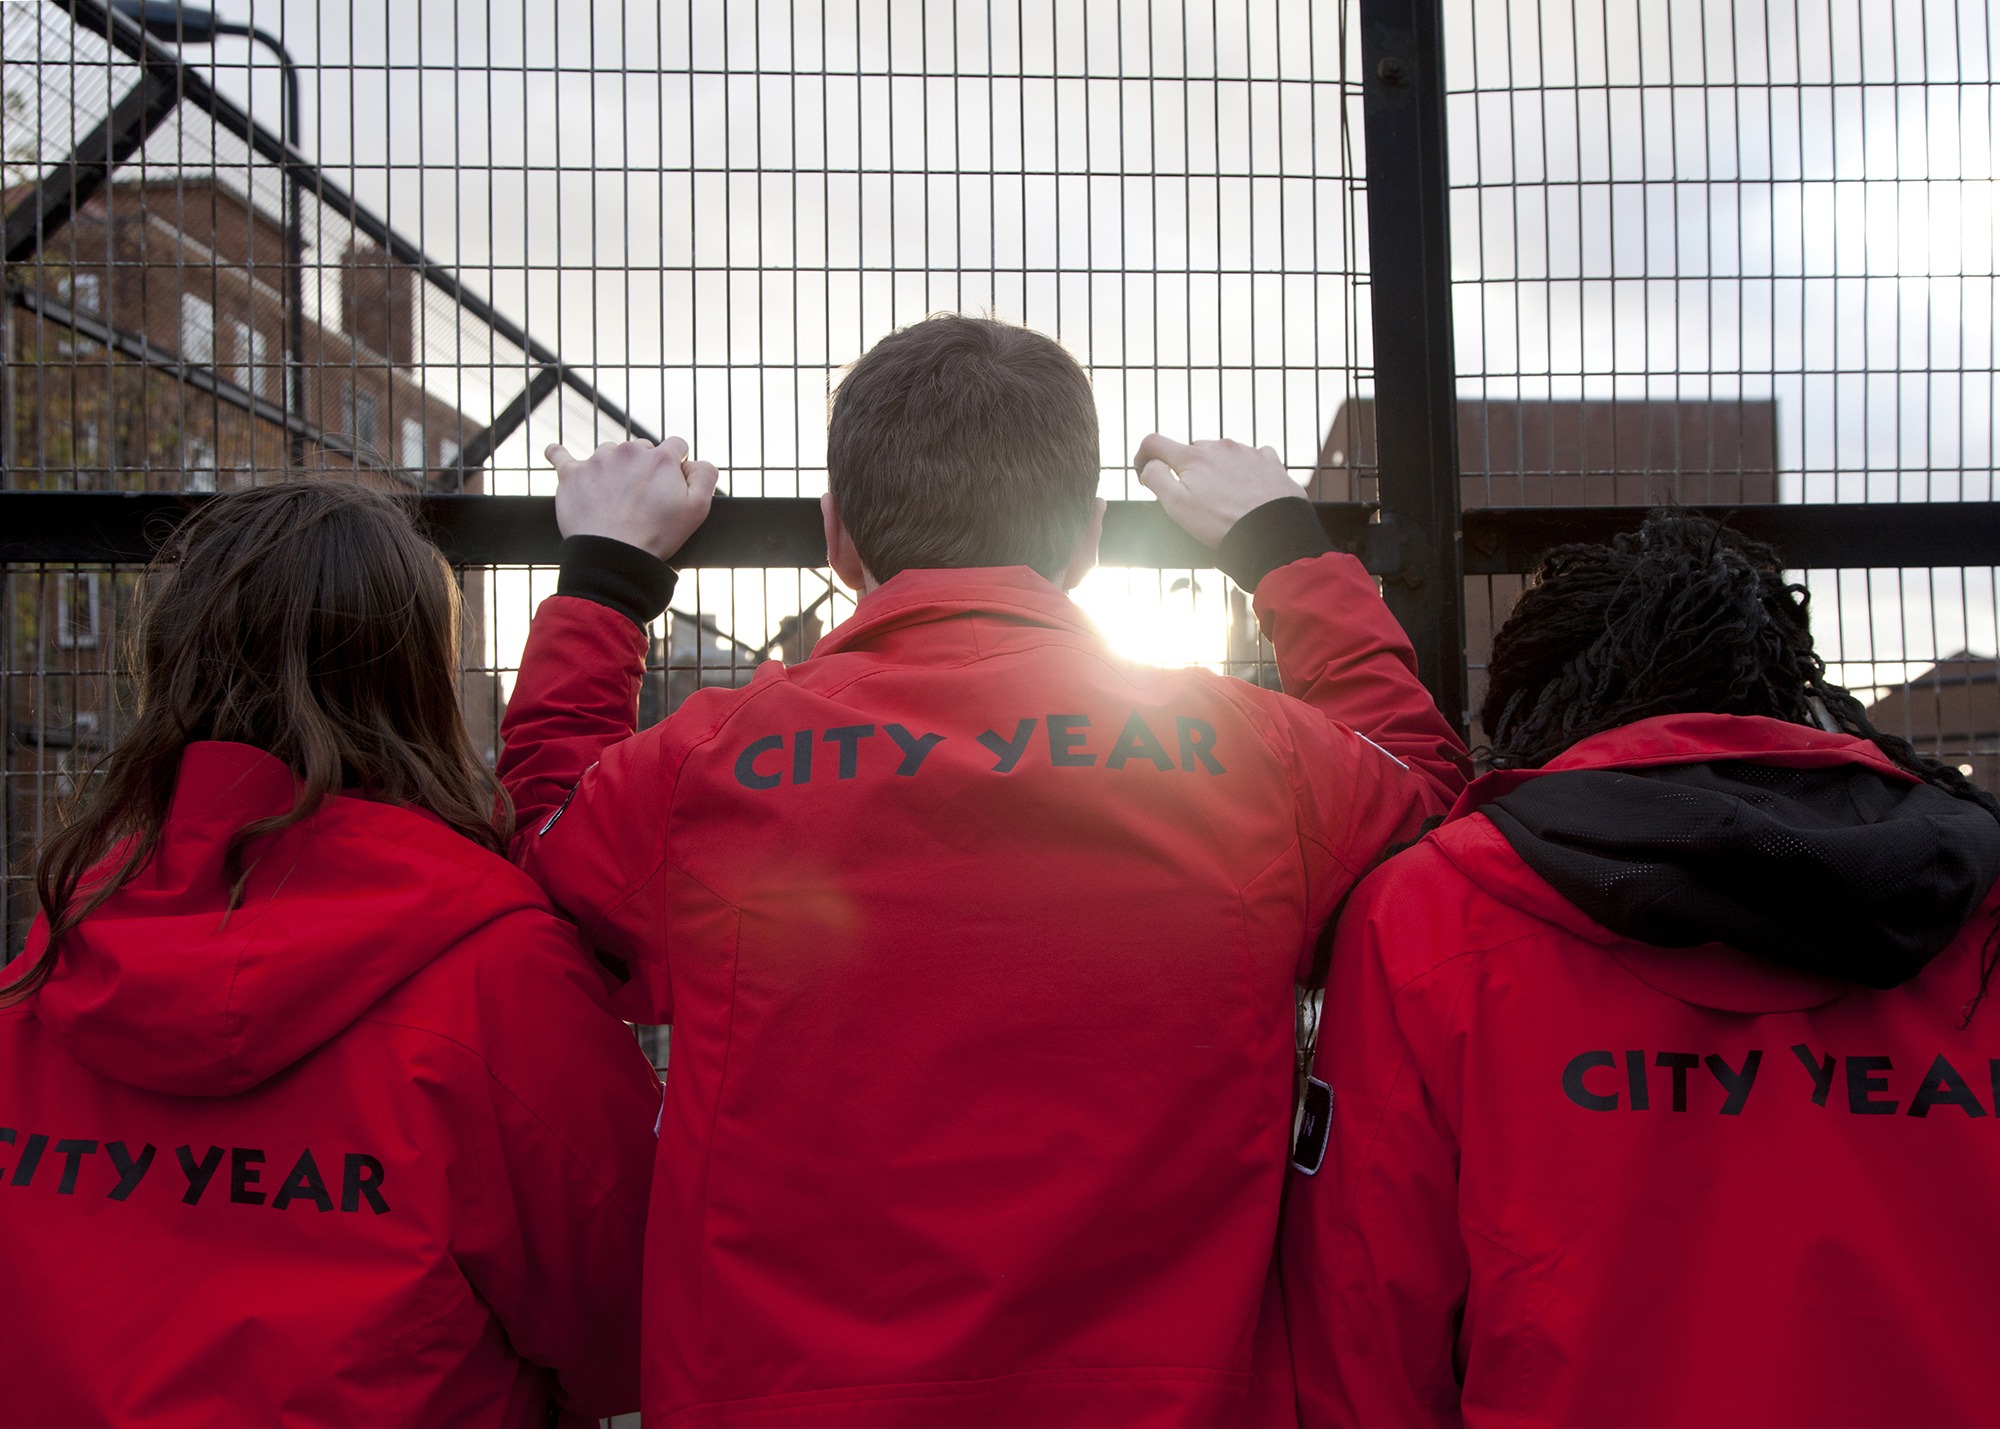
column 1312, row 1127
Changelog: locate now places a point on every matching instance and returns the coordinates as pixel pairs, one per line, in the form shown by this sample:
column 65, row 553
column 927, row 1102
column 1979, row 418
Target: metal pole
column 293, row 201
column 1416, row 419
column 295, row 254
column 183, row 24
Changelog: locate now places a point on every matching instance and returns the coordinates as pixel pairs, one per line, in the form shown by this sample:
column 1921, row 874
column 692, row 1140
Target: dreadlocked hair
column 1683, row 616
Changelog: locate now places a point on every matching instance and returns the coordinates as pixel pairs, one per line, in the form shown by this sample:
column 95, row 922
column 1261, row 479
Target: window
column 447, row 453
column 197, row 330
column 84, row 292
column 198, row 464
column 413, row 444
column 243, row 365
column 266, row 379
column 76, row 610
column 363, row 413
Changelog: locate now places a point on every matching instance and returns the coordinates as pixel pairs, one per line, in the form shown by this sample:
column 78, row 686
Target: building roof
column 1957, row 699
column 1519, row 451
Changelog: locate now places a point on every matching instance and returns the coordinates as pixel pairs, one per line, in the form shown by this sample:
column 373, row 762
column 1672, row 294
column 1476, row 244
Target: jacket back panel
column 1679, row 1188
column 984, row 1123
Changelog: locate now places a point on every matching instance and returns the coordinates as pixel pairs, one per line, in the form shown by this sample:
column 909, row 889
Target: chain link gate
column 1492, row 275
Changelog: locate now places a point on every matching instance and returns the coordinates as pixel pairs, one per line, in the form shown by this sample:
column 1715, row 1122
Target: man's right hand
column 1207, row 487
column 652, row 497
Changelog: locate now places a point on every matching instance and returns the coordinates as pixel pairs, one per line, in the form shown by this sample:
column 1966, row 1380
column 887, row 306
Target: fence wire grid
column 1732, row 253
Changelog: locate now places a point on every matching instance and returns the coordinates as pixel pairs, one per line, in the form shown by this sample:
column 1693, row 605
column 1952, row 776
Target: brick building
column 198, row 272
column 1522, row 452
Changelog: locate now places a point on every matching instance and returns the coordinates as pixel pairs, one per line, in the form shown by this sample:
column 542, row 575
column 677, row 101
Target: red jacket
column 370, row 1150
column 979, row 946
column 1603, row 1178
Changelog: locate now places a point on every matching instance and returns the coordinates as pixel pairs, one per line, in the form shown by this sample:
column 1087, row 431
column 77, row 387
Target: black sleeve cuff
column 1275, row 534
column 635, row 583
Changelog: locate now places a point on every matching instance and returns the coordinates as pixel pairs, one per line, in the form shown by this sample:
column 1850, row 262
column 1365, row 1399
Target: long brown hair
column 308, row 618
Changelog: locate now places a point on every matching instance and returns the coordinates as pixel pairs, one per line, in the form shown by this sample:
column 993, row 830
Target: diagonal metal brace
column 95, row 18
column 201, row 379
column 74, row 181
column 480, row 449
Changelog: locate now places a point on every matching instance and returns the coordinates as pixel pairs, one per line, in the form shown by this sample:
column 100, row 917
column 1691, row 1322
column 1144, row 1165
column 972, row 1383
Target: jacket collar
column 919, row 597
column 1691, row 739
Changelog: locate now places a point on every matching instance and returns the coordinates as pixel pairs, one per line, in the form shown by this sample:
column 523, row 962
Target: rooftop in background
column 1532, row 452
column 1950, row 712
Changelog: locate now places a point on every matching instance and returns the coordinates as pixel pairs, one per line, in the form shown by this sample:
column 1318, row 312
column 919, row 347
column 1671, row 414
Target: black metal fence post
column 1409, row 257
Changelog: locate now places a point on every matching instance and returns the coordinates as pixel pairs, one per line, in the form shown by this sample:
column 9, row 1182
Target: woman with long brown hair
column 311, row 1111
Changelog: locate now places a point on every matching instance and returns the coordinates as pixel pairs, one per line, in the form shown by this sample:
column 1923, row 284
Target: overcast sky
column 715, row 205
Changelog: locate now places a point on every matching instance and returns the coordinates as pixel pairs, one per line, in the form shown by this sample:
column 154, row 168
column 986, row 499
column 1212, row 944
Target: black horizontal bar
column 741, row 532
column 127, row 36
column 747, row 532
column 1854, row 535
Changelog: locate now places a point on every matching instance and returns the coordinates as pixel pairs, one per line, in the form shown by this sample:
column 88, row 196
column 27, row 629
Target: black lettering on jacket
column 243, row 1174
column 72, row 1153
column 362, row 1174
column 1819, row 1069
column 1682, row 1063
column 1862, row 1083
column 1197, row 740
column 1583, row 1096
column 802, row 757
column 130, row 1171
column 1943, row 1086
column 1066, row 741
column 1007, row 752
column 1736, row 1085
column 915, row 747
column 198, row 1176
column 361, row 1177
column 848, row 737
column 746, row 762
column 1635, row 1078
column 31, row 1157
column 305, row 1181
column 1137, row 739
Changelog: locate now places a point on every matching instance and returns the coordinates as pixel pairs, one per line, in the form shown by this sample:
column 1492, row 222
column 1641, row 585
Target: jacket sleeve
column 1373, row 757
column 590, row 796
column 1339, row 648
column 1375, row 1269
column 552, row 1232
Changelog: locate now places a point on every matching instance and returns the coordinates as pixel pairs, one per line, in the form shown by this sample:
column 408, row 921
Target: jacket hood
column 1808, row 851
column 164, row 988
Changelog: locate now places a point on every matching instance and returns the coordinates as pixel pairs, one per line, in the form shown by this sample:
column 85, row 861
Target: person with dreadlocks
column 1655, row 1087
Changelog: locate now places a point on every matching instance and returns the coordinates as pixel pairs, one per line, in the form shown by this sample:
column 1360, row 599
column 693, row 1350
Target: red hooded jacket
column 370, row 1150
column 1659, row 1099
column 979, row 946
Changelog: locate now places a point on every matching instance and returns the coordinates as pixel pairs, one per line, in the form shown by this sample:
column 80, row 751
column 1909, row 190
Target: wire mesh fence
column 1721, row 252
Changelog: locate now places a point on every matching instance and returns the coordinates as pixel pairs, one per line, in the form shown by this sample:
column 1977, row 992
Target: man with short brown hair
column 979, row 943
column 990, row 396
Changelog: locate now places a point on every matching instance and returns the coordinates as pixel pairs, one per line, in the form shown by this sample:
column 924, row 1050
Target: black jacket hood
column 1840, row 872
